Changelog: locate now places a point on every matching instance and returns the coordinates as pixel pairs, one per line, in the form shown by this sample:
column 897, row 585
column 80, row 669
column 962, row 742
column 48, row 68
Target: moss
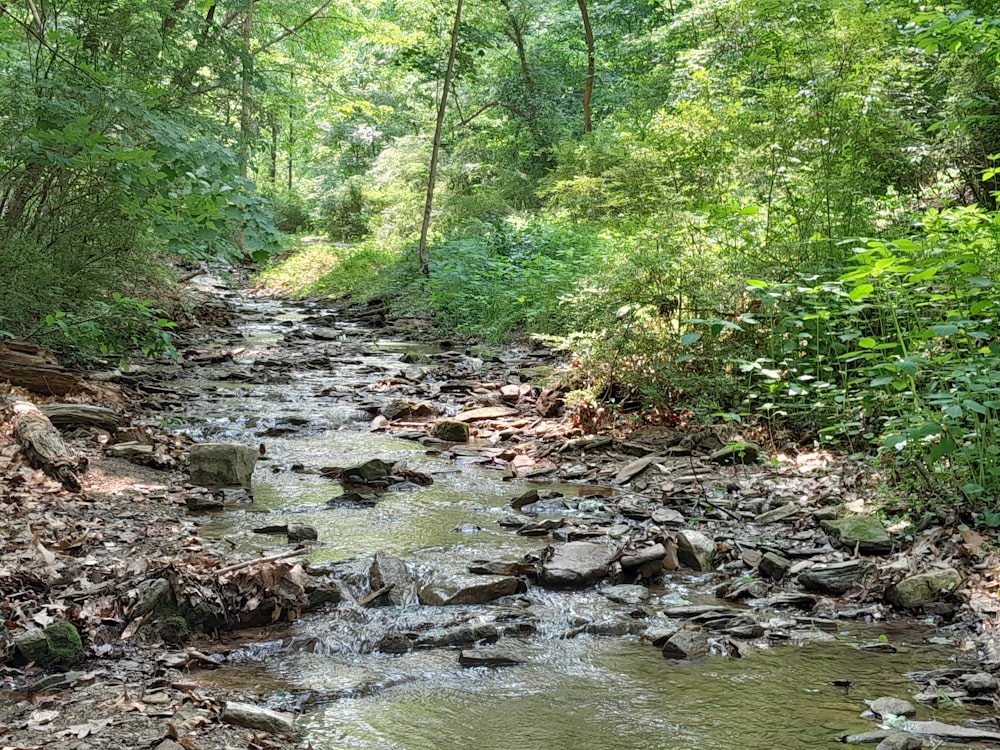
column 64, row 642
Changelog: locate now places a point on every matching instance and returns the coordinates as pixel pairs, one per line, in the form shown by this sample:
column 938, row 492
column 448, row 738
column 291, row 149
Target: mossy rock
column 172, row 630
column 866, row 533
column 451, row 431
column 59, row 643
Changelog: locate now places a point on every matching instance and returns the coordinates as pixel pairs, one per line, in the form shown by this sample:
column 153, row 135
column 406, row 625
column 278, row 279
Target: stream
column 298, row 379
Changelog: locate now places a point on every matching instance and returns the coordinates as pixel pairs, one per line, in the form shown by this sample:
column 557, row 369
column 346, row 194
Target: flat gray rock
column 575, row 564
column 254, row 717
column 467, row 589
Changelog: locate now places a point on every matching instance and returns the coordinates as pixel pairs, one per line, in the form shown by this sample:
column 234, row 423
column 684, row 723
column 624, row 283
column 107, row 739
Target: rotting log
column 31, row 367
column 43, row 446
column 83, row 414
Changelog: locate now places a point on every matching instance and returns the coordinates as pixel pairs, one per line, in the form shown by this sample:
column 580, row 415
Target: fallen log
column 43, row 446
column 83, row 414
column 36, row 369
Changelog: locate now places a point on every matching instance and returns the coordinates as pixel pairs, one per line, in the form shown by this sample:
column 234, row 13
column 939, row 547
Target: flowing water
column 575, row 690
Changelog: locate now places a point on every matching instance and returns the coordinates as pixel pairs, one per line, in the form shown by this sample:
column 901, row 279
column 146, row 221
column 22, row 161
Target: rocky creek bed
column 323, row 528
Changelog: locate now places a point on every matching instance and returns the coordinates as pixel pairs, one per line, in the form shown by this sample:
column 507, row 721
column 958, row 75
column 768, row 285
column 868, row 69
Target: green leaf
column 867, row 343
column 945, row 329
column 975, row 406
column 690, row 338
column 860, row 292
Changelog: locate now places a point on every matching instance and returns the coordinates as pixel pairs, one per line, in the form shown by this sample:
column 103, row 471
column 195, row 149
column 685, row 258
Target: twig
column 376, row 594
column 250, row 563
column 188, row 276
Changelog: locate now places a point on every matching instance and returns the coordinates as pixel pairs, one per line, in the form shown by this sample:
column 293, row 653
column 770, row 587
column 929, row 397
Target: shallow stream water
column 588, row 692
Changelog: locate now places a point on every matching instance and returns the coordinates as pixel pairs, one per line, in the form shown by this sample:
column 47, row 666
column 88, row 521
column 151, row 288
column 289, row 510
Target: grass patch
column 314, row 267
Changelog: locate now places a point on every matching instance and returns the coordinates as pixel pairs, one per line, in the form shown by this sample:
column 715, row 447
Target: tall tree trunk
column 425, row 263
column 272, row 172
column 246, row 107
column 588, row 86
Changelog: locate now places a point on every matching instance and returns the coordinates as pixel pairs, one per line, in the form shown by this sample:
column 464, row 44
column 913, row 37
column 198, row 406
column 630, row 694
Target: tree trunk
column 425, row 263
column 588, row 86
column 246, row 109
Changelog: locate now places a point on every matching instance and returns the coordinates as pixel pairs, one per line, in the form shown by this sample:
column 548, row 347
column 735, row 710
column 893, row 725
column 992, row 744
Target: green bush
column 512, row 277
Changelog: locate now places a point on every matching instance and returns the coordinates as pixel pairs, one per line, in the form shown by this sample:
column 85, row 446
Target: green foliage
column 291, row 211
column 345, row 213
column 899, row 349
column 115, row 328
column 510, row 277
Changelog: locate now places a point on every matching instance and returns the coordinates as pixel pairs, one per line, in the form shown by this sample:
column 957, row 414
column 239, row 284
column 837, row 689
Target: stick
column 376, row 594
column 249, row 563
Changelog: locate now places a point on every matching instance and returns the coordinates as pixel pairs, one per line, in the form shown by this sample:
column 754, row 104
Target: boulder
column 626, row 593
column 773, row 566
column 59, row 643
column 574, row 565
column 451, row 431
column 686, row 643
column 867, row 534
column 889, row 705
column 467, row 589
column 637, row 559
column 976, row 683
column 695, row 550
column 300, row 532
column 900, row 741
column 834, row 578
column 254, row 717
column 923, row 588
column 222, row 464
column 388, row 570
column 401, row 409
column 394, row 642
column 370, row 471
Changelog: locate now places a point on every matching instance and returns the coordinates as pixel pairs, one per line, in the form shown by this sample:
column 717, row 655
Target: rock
column 924, row 588
column 510, row 394
column 773, row 566
column 736, row 453
column 451, row 431
column 300, row 532
column 388, row 570
column 865, row 533
column 354, row 500
column 204, row 503
column 222, row 464
column 368, row 472
column 254, row 717
column 550, row 401
column 394, row 642
column 59, row 643
column 130, row 449
column 633, row 469
column 467, row 589
column 626, row 593
column 644, row 556
column 668, row 517
column 781, row 513
column 574, row 565
column 900, row 741
column 502, row 568
column 400, row 409
column 695, row 550
column 865, row 738
column 488, row 658
column 834, row 578
column 949, row 732
column 686, row 643
column 487, row 412
column 976, row 683
column 890, row 705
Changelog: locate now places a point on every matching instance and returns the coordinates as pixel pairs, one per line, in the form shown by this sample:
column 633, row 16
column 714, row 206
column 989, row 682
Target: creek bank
column 657, row 504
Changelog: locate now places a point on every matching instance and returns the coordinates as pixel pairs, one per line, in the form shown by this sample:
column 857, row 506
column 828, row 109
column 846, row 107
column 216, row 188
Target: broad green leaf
column 861, row 291
column 867, row 343
column 690, row 338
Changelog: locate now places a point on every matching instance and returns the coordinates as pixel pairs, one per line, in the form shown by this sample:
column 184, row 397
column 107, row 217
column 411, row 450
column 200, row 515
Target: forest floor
column 94, row 557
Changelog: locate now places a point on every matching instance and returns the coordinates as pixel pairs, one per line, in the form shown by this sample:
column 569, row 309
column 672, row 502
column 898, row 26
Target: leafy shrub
column 291, row 212
column 900, row 350
column 511, row 277
column 345, row 213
